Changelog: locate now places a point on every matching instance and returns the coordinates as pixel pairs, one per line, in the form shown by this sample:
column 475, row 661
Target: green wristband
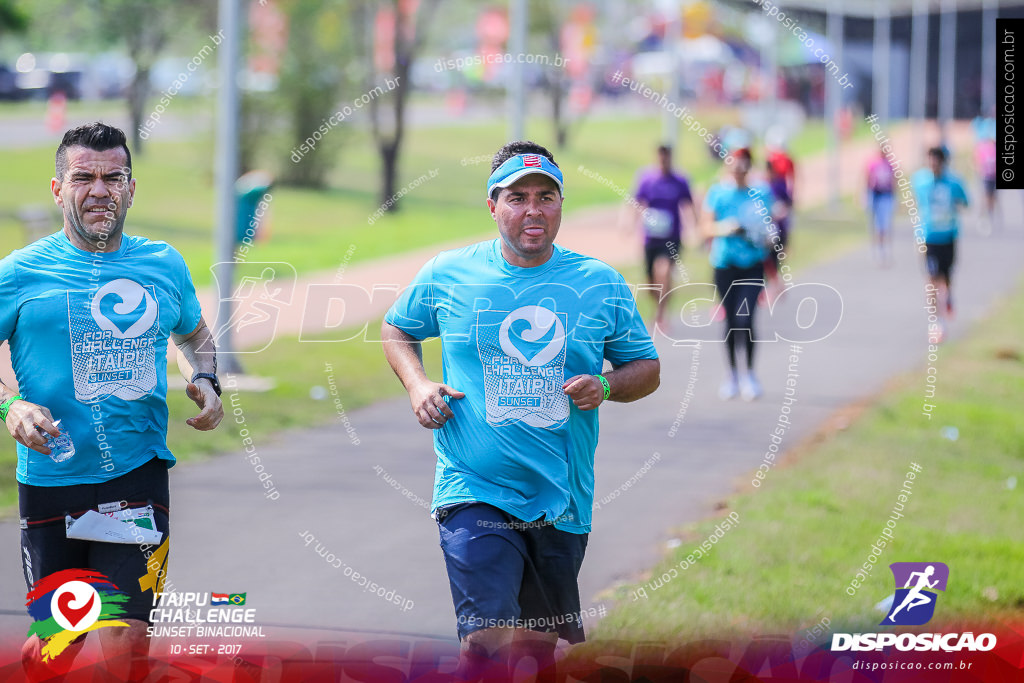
column 607, row 387
column 6, row 405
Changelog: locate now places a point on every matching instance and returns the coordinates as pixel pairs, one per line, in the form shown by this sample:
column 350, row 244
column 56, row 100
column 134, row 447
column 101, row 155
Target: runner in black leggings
column 736, row 219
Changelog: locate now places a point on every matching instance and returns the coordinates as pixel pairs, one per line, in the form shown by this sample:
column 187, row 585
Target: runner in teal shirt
column 940, row 196
column 88, row 312
column 525, row 329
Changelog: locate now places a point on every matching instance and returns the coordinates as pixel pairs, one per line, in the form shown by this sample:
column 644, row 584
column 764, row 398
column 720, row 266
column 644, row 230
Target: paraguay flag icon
column 916, row 583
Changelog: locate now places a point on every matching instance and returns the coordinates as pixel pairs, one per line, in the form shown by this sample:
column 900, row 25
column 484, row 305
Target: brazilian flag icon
column 237, row 598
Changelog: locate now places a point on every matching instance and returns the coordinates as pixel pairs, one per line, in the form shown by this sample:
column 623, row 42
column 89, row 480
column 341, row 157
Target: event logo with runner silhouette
column 113, row 340
column 523, row 354
column 916, row 583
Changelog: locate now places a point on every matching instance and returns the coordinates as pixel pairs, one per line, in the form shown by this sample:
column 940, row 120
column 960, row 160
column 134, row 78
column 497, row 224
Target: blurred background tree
column 315, row 76
column 12, row 19
column 390, row 35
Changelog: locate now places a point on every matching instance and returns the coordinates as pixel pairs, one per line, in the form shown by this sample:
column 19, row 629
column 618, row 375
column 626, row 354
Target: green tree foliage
column 314, row 76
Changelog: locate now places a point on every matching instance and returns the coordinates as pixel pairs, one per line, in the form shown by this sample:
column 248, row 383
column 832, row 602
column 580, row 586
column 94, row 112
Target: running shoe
column 729, row 389
column 750, row 388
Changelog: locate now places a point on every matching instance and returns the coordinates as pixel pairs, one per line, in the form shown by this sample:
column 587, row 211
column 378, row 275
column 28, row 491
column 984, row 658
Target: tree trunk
column 558, row 112
column 138, row 93
column 389, row 170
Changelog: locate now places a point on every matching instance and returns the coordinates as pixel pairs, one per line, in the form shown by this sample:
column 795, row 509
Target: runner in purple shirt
column 664, row 195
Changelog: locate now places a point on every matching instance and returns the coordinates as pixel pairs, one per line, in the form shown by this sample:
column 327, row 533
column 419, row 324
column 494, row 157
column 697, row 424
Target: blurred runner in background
column 739, row 246
column 781, row 210
column 940, row 194
column 879, row 205
column 665, row 197
column 985, row 161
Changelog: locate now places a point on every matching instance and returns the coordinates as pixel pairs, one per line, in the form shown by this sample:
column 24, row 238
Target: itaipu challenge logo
column 914, row 603
column 66, row 604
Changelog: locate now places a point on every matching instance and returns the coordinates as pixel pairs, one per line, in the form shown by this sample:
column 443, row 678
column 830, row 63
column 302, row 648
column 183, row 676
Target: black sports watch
column 210, row 376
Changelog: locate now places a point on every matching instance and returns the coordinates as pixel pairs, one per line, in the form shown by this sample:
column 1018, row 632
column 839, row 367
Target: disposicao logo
column 913, row 604
column 66, row 604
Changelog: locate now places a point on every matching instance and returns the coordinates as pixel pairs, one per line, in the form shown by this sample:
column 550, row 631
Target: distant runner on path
column 940, row 195
column 666, row 198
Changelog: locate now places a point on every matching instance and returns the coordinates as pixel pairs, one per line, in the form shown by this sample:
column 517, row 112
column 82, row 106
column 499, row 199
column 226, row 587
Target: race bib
column 657, row 223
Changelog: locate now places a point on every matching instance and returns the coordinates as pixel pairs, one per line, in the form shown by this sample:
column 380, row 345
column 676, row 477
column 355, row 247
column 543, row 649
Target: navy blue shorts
column 940, row 258
column 505, row 572
column 135, row 569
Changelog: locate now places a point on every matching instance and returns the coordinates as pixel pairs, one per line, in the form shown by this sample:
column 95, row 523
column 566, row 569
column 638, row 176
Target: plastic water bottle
column 61, row 447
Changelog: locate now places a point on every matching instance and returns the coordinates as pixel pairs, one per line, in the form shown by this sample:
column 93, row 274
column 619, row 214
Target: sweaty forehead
column 96, row 161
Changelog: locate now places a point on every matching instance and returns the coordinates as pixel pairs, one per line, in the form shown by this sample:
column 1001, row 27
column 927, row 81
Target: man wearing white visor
column 526, row 327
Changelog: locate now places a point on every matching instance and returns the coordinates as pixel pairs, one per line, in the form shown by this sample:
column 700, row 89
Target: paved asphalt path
column 229, row 538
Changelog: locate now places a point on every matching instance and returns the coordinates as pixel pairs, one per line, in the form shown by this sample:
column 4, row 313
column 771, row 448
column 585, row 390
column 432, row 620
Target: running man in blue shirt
column 88, row 312
column 525, row 328
column 940, row 195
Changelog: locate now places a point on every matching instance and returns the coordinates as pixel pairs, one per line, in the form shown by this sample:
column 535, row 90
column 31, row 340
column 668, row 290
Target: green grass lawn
column 313, row 230
column 802, row 537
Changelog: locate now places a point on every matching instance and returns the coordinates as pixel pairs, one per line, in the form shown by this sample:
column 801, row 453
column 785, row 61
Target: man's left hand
column 586, row 391
column 211, row 410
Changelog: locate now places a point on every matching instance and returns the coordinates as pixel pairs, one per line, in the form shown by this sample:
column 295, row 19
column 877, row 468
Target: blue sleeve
column 190, row 311
column 415, row 312
column 961, row 193
column 629, row 340
column 711, row 201
column 8, row 298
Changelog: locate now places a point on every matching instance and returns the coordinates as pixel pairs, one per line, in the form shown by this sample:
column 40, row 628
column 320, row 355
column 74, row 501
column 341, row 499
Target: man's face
column 936, row 163
column 664, row 161
column 94, row 194
column 528, row 214
column 740, row 169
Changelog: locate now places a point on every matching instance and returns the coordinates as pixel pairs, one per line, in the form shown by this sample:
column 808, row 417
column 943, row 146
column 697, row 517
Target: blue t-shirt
column 938, row 200
column 88, row 335
column 510, row 338
column 726, row 200
column 663, row 195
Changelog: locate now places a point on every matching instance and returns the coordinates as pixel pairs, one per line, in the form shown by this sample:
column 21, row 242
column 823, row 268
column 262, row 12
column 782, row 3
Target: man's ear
column 492, row 205
column 55, row 191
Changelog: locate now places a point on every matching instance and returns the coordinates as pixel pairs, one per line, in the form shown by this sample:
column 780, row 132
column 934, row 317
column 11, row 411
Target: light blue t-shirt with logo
column 726, row 200
column 938, row 201
column 510, row 338
column 88, row 335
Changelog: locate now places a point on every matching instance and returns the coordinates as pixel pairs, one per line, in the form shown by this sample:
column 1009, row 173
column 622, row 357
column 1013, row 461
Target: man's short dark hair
column 519, row 147
column 96, row 136
column 937, row 152
column 665, row 149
